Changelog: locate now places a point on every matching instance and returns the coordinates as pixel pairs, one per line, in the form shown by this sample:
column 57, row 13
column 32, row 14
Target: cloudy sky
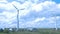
column 35, row 13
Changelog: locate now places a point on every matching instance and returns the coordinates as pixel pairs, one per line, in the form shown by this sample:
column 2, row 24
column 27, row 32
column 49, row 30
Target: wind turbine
column 17, row 16
column 56, row 20
column 56, row 23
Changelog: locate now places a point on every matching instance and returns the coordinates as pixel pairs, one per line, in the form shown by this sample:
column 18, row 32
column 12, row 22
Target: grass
column 39, row 31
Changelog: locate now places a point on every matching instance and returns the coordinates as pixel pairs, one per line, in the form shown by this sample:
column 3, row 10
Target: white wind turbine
column 17, row 16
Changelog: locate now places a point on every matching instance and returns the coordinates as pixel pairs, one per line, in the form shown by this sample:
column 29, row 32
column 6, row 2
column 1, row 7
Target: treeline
column 6, row 30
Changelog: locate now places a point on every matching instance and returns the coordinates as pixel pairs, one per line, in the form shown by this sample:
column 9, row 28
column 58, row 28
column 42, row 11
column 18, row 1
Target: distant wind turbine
column 17, row 16
column 58, row 14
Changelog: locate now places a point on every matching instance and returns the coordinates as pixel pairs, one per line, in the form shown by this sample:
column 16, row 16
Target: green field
column 39, row 31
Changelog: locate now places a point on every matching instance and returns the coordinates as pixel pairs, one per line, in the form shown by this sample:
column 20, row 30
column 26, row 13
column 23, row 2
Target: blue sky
column 57, row 1
column 36, row 13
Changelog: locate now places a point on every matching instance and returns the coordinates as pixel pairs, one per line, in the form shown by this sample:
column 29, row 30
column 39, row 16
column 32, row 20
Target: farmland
column 38, row 31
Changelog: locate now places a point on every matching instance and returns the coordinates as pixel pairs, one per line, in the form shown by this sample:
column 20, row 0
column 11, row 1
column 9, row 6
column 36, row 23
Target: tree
column 6, row 30
column 14, row 29
column 1, row 30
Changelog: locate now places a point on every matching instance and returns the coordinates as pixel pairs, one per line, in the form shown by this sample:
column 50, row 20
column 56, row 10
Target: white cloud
column 58, row 6
column 8, row 14
column 44, row 5
column 12, row 25
column 51, row 20
column 38, row 19
column 58, row 17
column 40, row 22
column 7, row 17
column 2, row 5
column 3, row 1
column 37, row 7
column 7, row 6
column 34, row 22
